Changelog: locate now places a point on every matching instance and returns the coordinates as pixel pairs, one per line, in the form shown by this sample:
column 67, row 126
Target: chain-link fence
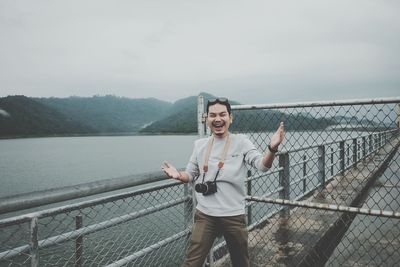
column 147, row 227
column 332, row 195
column 330, row 198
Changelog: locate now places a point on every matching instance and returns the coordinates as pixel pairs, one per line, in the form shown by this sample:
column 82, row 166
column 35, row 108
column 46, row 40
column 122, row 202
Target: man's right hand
column 170, row 170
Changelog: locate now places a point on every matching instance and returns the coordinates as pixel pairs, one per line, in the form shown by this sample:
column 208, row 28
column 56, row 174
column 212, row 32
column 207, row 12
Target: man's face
column 218, row 120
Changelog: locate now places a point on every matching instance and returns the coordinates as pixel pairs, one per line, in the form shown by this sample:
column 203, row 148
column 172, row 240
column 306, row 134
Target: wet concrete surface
column 371, row 240
column 308, row 237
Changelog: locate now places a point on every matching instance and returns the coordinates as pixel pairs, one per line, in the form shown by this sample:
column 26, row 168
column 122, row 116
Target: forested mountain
column 182, row 118
column 22, row 116
column 110, row 114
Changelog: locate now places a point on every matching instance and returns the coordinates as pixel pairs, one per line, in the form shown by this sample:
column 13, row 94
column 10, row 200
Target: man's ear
column 231, row 120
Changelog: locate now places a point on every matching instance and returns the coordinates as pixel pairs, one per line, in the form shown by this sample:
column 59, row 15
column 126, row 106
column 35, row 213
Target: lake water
column 40, row 163
column 33, row 164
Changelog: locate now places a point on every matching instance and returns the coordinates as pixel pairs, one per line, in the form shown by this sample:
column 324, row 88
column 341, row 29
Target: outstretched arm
column 276, row 140
column 172, row 172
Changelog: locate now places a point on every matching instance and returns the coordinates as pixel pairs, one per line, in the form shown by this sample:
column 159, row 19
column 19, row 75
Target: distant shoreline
column 340, row 129
column 90, row 135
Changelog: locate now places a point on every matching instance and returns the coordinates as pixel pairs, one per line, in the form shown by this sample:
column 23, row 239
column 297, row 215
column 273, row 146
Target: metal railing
column 76, row 223
column 317, row 174
column 337, row 168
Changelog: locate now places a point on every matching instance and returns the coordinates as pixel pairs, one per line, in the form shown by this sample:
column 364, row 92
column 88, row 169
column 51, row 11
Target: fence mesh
column 114, row 228
column 345, row 155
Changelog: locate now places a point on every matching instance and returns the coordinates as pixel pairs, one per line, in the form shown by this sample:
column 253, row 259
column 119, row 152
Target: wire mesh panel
column 148, row 227
column 341, row 154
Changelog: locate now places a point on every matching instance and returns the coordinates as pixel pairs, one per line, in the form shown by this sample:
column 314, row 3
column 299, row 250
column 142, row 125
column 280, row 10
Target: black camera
column 207, row 188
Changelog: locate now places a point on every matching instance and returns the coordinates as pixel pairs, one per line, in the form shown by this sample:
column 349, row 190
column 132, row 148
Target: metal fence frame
column 361, row 148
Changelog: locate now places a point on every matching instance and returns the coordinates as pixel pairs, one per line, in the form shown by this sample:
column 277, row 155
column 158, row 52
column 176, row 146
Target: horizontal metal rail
column 300, row 162
column 330, row 143
column 50, row 196
column 296, row 181
column 150, row 249
column 80, row 205
column 268, row 194
column 91, row 228
column 330, row 207
column 388, row 100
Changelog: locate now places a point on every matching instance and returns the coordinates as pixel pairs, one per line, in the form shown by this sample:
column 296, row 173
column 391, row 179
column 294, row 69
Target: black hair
column 222, row 101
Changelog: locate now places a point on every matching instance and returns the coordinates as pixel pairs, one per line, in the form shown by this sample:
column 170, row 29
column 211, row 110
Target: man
column 218, row 172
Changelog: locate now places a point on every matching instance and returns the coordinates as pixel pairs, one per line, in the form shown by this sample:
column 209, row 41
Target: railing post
column 304, row 173
column 370, row 148
column 249, row 193
column 384, row 138
column 321, row 166
column 342, row 159
column 364, row 150
column 354, row 151
column 210, row 259
column 188, row 206
column 348, row 155
column 202, row 131
column 379, row 141
column 201, row 124
column 331, row 161
column 284, row 180
column 78, row 242
column 34, row 243
column 398, row 116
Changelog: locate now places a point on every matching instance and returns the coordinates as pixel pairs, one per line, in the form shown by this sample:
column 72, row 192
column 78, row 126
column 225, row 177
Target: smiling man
column 217, row 170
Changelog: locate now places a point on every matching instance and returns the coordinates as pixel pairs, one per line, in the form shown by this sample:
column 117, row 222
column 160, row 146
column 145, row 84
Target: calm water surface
column 39, row 163
column 33, row 164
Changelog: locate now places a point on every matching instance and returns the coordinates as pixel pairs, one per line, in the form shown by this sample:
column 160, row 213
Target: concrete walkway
column 307, row 237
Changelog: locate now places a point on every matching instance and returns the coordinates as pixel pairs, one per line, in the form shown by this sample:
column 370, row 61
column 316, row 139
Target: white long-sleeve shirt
column 229, row 200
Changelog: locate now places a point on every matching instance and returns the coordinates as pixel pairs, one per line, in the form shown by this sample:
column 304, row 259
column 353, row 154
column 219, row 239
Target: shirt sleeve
column 252, row 156
column 192, row 168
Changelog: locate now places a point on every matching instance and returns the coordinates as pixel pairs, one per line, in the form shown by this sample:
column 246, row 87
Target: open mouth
column 218, row 126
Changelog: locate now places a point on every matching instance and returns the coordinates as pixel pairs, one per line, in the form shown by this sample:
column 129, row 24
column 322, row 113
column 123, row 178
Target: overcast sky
column 249, row 51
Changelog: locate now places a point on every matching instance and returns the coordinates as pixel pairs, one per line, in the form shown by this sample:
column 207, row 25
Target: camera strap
column 221, row 159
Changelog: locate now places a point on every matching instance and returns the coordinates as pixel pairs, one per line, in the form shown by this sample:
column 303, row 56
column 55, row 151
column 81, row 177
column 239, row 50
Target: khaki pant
column 207, row 228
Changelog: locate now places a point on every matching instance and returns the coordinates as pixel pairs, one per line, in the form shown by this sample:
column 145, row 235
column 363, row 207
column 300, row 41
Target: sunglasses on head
column 217, row 100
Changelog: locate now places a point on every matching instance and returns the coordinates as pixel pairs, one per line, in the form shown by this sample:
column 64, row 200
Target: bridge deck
column 308, row 237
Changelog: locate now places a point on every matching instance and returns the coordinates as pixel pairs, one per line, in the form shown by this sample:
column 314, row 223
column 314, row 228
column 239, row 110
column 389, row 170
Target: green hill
column 110, row 114
column 23, row 116
column 182, row 118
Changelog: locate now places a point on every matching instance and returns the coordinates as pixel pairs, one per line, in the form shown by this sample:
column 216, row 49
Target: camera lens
column 200, row 188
